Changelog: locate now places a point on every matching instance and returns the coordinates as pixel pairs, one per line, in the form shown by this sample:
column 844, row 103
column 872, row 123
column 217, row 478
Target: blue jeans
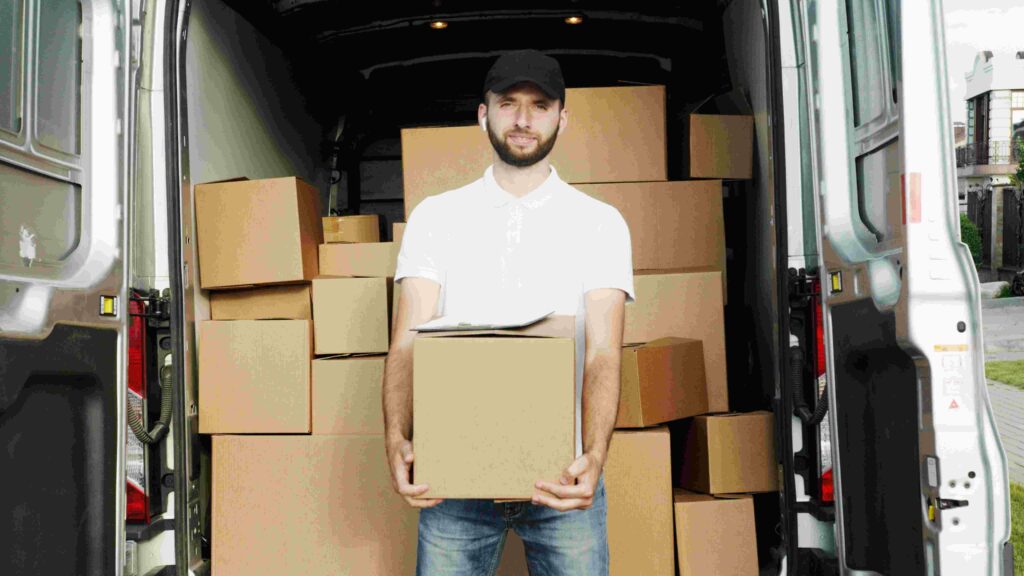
column 466, row 537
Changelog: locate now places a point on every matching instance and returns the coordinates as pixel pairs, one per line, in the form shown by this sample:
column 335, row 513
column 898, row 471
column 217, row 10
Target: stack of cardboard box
column 290, row 372
column 674, row 356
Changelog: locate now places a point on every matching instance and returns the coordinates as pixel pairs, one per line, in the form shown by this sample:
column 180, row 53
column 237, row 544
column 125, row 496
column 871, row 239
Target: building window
column 970, row 121
column 1016, row 116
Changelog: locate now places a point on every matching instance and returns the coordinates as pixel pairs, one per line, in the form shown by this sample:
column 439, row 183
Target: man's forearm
column 397, row 394
column 600, row 403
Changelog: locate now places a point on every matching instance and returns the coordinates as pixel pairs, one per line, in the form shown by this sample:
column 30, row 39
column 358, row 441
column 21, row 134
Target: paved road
column 1004, row 340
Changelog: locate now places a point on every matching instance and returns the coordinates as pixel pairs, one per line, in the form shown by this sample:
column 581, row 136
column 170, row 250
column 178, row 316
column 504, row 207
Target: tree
column 969, row 235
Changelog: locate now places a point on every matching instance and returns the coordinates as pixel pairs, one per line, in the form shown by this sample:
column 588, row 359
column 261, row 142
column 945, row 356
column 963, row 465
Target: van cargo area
column 323, row 91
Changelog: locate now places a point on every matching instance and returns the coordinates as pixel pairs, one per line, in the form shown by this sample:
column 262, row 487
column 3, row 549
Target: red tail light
column 135, row 459
column 827, row 487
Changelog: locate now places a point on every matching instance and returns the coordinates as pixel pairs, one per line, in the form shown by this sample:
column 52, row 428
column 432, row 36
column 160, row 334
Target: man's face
column 523, row 124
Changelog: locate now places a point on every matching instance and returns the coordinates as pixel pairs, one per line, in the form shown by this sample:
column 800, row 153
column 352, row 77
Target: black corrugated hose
column 160, row 428
column 796, row 369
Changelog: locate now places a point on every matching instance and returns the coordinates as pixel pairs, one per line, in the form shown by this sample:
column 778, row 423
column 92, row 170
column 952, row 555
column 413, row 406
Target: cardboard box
column 254, row 376
column 310, row 505
column 615, row 134
column 358, row 228
column 397, row 231
column 347, row 395
column 257, row 232
column 671, row 224
column 367, row 259
column 715, row 535
column 684, row 304
column 352, row 315
column 721, row 146
column 662, row 381
column 638, row 485
column 289, row 302
column 494, row 411
column 730, row 454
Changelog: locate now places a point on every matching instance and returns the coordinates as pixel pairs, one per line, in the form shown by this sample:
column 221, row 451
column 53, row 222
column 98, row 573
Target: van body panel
column 920, row 475
column 63, row 189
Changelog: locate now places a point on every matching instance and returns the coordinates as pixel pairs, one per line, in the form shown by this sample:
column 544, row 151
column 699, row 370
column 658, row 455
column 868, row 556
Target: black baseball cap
column 526, row 66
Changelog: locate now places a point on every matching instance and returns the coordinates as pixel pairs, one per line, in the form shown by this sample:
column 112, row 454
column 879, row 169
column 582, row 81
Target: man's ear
column 481, row 116
column 563, row 120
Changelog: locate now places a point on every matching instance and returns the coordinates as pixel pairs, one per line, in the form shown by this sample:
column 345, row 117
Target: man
column 517, row 237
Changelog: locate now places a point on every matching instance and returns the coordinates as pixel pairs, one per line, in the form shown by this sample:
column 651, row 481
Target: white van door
column 920, row 476
column 63, row 181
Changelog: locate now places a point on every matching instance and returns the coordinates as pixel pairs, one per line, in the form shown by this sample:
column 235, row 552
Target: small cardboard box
column 684, row 304
column 662, row 381
column 730, row 454
column 254, row 376
column 494, row 411
column 721, row 146
column 310, row 505
column 357, row 228
column 352, row 315
column 616, row 134
column 638, row 484
column 347, row 395
column 368, row 259
column 671, row 224
column 257, row 232
column 715, row 535
column 289, row 302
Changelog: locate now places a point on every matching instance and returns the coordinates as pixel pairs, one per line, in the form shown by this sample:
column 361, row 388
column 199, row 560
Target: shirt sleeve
column 421, row 252
column 610, row 261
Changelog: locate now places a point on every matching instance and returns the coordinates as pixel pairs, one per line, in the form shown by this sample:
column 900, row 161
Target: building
column 995, row 119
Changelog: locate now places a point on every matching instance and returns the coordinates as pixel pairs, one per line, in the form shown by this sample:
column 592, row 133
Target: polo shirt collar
column 497, row 196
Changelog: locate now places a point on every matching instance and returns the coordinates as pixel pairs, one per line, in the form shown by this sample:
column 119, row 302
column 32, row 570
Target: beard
column 520, row 159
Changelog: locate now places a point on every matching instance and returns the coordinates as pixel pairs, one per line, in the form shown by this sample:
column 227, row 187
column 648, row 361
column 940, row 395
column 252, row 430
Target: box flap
column 549, row 327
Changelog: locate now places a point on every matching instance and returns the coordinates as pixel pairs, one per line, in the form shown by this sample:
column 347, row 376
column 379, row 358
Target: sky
column 972, row 26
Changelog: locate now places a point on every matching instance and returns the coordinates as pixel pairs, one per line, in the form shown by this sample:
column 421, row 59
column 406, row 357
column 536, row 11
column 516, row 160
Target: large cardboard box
column 615, row 134
column 715, row 535
column 684, row 304
column 364, row 259
column 347, row 395
column 671, row 224
column 638, row 484
column 310, row 505
column 661, row 381
column 352, row 315
column 494, row 411
column 356, row 228
column 257, row 232
column 721, row 146
column 730, row 454
column 288, row 302
column 254, row 376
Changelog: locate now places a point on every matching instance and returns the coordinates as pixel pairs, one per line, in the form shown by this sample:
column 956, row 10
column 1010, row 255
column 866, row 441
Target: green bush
column 969, row 235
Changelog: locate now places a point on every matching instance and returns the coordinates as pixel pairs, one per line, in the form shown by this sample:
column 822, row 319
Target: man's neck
column 521, row 181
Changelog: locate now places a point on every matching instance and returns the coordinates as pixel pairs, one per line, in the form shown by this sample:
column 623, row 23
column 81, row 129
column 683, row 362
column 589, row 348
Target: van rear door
column 920, row 475
column 63, row 103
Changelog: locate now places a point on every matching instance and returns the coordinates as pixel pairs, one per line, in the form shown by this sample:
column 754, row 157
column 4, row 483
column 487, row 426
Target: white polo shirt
column 490, row 250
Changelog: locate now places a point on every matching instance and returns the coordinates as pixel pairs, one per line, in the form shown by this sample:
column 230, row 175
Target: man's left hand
column 575, row 489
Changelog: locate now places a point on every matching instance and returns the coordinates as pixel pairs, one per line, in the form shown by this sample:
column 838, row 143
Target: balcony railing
column 991, row 152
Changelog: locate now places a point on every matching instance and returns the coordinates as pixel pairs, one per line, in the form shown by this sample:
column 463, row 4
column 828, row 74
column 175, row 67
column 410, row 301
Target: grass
column 1008, row 372
column 1017, row 526
column 1005, row 292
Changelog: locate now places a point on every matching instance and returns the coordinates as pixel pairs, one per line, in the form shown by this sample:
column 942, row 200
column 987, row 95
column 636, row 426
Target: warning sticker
column 954, row 405
column 951, row 348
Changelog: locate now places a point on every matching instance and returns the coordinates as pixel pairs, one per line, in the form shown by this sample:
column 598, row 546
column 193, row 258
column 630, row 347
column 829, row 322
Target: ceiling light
column 574, row 20
column 438, row 24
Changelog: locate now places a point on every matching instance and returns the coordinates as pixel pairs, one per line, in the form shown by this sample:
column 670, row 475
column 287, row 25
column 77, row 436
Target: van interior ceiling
column 361, row 72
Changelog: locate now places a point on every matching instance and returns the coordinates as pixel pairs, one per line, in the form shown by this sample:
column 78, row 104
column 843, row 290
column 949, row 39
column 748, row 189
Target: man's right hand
column 400, row 458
